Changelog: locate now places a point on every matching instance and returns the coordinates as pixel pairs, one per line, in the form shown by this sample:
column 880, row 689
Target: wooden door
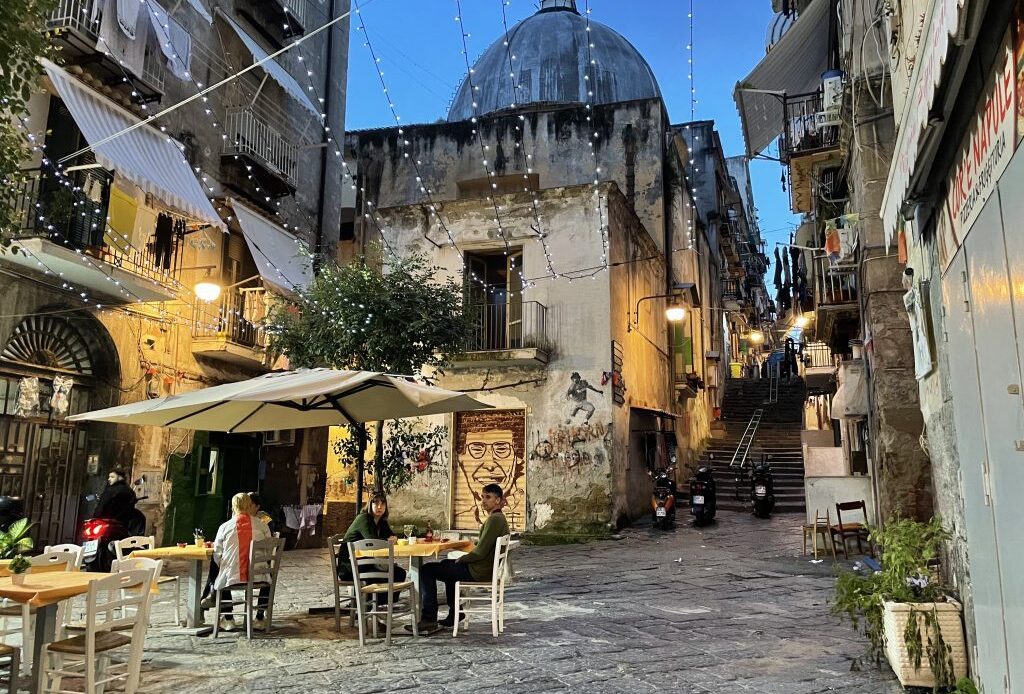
column 490, row 448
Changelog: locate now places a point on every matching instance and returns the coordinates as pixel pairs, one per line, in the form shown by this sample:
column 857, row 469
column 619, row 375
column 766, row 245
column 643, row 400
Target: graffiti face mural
column 490, row 449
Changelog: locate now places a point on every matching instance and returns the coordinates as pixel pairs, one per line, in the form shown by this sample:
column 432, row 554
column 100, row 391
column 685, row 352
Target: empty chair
column 841, row 531
column 9, row 656
column 822, row 526
column 74, row 549
column 114, row 605
column 346, row 602
column 259, row 588
column 47, row 561
column 376, row 589
column 123, row 548
column 485, row 597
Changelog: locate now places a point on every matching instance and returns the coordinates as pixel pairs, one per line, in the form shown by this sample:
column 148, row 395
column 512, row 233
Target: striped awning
column 794, row 65
column 280, row 257
column 145, row 156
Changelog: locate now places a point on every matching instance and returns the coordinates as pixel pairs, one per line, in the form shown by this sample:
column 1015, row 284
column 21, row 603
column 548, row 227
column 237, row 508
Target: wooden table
column 44, row 591
column 46, row 568
column 195, row 625
column 417, row 552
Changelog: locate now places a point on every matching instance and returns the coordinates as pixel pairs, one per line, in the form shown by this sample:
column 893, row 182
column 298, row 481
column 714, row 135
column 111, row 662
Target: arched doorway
column 43, row 457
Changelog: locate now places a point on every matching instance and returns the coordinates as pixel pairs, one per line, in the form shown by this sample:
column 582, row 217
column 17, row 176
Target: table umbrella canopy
column 300, row 399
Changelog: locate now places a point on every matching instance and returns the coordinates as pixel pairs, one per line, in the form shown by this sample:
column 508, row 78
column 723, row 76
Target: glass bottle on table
column 429, row 536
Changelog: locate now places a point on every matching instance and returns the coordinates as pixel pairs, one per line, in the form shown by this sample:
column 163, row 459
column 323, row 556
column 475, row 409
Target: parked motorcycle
column 703, row 497
column 762, row 489
column 663, row 500
column 97, row 536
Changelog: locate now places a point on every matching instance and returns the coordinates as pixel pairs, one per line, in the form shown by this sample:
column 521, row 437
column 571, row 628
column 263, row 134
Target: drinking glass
column 408, row 530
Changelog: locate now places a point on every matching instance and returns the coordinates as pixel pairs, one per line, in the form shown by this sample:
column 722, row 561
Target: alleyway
column 739, row 613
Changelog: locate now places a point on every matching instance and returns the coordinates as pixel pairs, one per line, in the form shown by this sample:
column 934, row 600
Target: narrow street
column 730, row 608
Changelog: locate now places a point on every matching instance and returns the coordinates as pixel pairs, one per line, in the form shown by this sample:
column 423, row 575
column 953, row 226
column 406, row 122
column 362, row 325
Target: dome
column 550, row 66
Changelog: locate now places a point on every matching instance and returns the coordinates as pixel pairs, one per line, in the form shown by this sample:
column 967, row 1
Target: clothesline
column 302, row 517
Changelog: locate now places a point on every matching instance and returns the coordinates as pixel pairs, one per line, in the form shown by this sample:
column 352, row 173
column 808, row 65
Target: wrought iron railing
column 512, row 325
column 818, row 355
column 250, row 135
column 80, row 15
column 238, row 317
column 805, row 131
column 837, row 285
column 298, row 9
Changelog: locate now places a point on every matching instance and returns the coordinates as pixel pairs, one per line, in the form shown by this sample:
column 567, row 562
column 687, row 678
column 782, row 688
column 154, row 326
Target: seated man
column 474, row 566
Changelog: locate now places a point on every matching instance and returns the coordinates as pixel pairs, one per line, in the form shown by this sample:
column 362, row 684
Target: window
column 208, row 479
column 494, row 299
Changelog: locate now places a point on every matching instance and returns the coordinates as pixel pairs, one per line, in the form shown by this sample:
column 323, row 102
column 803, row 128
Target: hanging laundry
column 309, row 516
column 60, row 401
column 291, row 517
column 117, row 36
column 785, row 268
column 128, row 17
column 164, row 241
column 28, row 397
column 778, row 270
column 833, row 245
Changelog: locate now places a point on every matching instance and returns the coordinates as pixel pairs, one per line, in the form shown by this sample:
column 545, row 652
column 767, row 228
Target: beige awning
column 793, row 66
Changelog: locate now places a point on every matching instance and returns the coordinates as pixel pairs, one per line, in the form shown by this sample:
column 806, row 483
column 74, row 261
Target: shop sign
column 984, row 154
column 944, row 22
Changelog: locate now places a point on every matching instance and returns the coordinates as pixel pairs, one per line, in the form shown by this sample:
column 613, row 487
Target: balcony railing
column 297, row 11
column 804, row 132
column 76, row 217
column 515, row 325
column 238, row 317
column 818, row 355
column 837, row 286
column 251, row 136
column 78, row 15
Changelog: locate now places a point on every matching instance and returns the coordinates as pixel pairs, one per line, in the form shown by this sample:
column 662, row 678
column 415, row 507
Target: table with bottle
column 419, row 548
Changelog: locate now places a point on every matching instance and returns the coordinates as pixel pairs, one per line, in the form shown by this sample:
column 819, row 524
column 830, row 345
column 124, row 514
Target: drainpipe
column 328, row 77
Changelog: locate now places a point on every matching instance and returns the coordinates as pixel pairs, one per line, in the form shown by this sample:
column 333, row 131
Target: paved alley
column 731, row 608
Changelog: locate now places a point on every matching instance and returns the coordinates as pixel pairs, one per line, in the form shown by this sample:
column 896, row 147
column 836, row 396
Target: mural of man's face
column 491, row 457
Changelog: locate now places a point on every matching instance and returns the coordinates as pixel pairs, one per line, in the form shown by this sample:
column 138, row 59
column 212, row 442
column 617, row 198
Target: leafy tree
column 22, row 42
column 396, row 320
column 15, row 539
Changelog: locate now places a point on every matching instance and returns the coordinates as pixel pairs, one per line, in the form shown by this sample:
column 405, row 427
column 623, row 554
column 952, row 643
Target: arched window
column 51, row 342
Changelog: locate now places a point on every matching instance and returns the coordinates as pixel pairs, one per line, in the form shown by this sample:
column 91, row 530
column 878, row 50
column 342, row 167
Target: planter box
column 897, row 615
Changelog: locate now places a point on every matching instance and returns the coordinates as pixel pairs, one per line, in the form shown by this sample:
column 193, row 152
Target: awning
column 273, row 68
column 280, row 258
column 145, row 156
column 793, row 66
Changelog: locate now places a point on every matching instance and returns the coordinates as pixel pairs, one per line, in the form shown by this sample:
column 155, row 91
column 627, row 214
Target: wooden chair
column 123, row 548
column 114, row 605
column 264, row 563
column 369, row 596
column 47, row 561
column 490, row 595
column 841, row 531
column 73, row 549
column 822, row 526
column 9, row 656
column 335, row 543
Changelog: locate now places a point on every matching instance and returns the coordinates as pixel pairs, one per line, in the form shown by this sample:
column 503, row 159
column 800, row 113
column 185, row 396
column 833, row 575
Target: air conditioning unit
column 279, row 437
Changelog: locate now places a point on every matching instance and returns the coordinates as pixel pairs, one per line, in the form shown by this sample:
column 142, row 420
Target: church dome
column 551, row 65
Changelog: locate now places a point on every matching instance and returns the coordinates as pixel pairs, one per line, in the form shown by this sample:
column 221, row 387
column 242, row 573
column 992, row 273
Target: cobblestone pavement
column 731, row 608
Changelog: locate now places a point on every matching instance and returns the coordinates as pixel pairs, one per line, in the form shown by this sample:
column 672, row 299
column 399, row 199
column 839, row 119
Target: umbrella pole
column 378, row 459
column 361, row 465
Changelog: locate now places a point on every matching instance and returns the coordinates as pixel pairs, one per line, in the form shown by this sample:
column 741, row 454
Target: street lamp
column 675, row 313
column 206, row 289
column 756, row 337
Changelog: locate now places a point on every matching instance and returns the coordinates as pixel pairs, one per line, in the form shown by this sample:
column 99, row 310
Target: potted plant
column 18, row 567
column 15, row 539
column 905, row 609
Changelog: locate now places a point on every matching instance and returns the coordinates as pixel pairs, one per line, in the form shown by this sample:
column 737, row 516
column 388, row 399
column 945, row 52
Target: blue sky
column 420, row 52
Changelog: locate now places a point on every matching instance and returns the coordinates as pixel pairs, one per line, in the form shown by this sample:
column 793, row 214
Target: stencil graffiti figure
column 578, row 396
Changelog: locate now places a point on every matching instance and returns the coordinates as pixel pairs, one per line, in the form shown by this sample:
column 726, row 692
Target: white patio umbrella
column 299, row 399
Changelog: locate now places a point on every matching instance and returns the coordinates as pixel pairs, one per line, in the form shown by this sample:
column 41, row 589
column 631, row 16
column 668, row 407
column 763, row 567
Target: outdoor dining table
column 418, row 552
column 195, row 625
column 44, row 591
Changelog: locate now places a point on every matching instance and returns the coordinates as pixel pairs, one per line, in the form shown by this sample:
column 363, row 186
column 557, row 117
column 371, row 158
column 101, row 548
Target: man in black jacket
column 117, row 500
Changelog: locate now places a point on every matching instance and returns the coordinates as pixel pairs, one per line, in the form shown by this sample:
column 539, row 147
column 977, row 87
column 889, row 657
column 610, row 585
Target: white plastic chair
column 46, row 561
column 123, row 548
column 114, row 604
column 369, row 596
column 264, row 562
column 472, row 596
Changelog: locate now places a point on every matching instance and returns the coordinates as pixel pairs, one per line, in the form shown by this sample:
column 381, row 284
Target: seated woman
column 231, row 552
column 371, row 524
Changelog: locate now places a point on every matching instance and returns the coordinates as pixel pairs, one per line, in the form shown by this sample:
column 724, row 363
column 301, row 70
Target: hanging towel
column 114, row 38
column 778, row 270
column 310, row 514
column 785, row 269
column 128, row 17
column 291, row 517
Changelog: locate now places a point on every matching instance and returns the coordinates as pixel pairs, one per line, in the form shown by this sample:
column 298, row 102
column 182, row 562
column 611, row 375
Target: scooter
column 663, row 500
column 703, row 497
column 762, row 489
column 97, row 537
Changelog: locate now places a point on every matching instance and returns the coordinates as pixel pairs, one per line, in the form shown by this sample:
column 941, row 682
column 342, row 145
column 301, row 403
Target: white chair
column 47, row 561
column 264, row 562
column 335, row 543
column 370, row 594
column 485, row 597
column 114, row 604
column 123, row 548
column 75, row 549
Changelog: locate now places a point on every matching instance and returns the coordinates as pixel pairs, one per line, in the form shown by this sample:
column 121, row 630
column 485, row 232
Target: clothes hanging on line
column 164, row 241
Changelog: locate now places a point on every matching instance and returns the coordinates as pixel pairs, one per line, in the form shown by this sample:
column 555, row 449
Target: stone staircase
column 778, row 437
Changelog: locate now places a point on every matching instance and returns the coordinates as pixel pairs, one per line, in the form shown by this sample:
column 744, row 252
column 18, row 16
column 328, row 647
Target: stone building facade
column 120, row 228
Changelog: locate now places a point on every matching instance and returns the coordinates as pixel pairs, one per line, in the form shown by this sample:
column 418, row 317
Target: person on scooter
column 118, row 499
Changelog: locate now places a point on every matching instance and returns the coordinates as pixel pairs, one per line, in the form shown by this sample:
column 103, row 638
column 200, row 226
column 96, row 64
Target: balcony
column 74, row 26
column 512, row 334
column 837, row 286
column 836, row 304
column 277, row 20
column 819, row 368
column 61, row 224
column 231, row 330
column 810, row 138
column 263, row 157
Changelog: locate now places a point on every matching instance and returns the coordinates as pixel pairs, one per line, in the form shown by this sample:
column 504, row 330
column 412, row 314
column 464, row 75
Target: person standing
column 473, row 566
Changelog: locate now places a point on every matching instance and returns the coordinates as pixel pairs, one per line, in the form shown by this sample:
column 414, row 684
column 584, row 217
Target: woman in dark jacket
column 371, row 524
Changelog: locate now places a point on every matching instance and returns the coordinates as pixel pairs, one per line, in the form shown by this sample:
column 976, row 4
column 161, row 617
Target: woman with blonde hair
column 231, row 552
